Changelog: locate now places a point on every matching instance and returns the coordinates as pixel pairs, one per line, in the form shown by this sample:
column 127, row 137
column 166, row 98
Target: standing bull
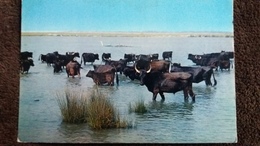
column 25, row 65
column 167, row 55
column 42, row 58
column 73, row 68
column 103, row 74
column 199, row 74
column 129, row 57
column 158, row 82
column 26, row 55
column 89, row 57
column 106, row 56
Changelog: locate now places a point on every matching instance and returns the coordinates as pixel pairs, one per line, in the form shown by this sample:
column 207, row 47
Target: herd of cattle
column 158, row 75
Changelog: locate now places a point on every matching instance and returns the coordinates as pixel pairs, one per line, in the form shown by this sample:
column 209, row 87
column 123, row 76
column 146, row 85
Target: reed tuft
column 102, row 113
column 94, row 108
column 73, row 106
column 139, row 107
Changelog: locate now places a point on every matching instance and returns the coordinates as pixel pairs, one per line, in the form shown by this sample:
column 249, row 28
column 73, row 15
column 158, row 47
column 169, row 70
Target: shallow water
column 212, row 118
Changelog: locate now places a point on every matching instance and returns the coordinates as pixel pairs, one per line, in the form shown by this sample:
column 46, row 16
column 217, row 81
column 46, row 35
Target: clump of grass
column 73, row 106
column 93, row 108
column 138, row 107
column 102, row 113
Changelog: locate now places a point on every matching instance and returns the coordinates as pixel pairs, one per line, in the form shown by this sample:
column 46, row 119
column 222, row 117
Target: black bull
column 89, row 57
column 158, row 82
column 199, row 74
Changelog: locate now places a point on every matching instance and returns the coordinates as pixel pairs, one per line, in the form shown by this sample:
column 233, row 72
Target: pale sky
column 128, row 15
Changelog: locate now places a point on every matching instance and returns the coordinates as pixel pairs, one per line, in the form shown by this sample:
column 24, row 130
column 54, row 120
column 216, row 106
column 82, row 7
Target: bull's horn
column 149, row 70
column 138, row 71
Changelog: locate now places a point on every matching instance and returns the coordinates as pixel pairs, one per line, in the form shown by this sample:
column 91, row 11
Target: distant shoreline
column 131, row 34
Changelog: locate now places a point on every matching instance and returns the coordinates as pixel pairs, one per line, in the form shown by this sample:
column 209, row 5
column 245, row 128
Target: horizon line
column 127, row 32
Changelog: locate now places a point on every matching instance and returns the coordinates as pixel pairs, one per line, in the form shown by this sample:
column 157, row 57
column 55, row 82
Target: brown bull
column 103, row 74
column 73, row 68
column 156, row 65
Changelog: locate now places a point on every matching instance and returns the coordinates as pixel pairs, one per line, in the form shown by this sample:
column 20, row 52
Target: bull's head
column 143, row 73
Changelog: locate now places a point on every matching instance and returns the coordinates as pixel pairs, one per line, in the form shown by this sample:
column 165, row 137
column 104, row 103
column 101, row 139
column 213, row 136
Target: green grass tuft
column 138, row 107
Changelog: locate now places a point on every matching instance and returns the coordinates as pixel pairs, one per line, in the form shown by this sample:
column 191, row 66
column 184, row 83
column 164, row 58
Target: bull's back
column 102, row 78
column 177, row 76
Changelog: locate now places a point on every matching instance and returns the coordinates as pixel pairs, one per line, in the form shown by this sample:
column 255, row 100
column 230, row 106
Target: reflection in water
column 74, row 132
column 76, row 81
column 163, row 110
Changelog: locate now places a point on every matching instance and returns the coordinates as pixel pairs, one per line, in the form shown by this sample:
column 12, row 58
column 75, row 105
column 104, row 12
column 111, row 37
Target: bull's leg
column 186, row 96
column 79, row 74
column 208, row 81
column 162, row 96
column 191, row 93
column 111, row 83
column 154, row 96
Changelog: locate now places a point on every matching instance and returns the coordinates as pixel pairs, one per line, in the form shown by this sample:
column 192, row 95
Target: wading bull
column 106, row 56
column 73, row 68
column 103, row 74
column 26, row 55
column 199, row 74
column 25, row 65
column 158, row 82
column 89, row 57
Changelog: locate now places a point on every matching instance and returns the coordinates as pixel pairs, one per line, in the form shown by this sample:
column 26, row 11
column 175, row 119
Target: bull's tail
column 215, row 81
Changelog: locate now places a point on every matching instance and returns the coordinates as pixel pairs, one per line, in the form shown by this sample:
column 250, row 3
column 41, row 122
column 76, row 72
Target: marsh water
column 212, row 118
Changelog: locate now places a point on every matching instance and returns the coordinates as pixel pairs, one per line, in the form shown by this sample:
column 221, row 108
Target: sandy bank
column 130, row 34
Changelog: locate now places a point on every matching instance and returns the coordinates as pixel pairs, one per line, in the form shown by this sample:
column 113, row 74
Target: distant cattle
column 158, row 82
column 129, row 57
column 155, row 56
column 143, row 57
column 106, row 56
column 72, row 55
column 26, row 55
column 199, row 74
column 212, row 59
column 89, row 57
column 52, row 57
column 103, row 74
column 148, row 57
column 25, row 65
column 118, row 64
column 42, row 58
column 167, row 55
